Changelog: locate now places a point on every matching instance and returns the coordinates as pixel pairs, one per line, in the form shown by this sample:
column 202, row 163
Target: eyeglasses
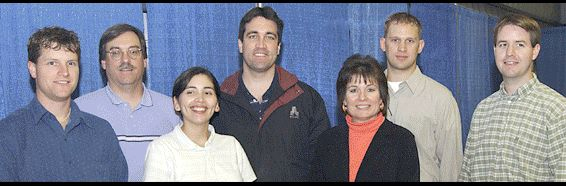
column 116, row 53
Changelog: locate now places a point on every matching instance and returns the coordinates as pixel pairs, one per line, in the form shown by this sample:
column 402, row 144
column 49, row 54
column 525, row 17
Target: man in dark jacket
column 275, row 117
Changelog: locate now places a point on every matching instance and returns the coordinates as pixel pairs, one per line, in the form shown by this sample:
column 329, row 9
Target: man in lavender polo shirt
column 137, row 114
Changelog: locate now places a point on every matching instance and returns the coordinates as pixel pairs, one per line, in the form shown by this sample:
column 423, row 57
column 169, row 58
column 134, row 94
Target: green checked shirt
column 518, row 137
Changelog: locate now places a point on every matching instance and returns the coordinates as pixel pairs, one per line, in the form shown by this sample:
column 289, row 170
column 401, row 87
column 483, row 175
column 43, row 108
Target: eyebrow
column 188, row 87
column 256, row 32
column 115, row 47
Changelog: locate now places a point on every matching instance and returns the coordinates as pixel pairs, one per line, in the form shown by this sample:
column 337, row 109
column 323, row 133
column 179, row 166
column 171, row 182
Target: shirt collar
column 145, row 101
column 523, row 89
column 188, row 144
column 38, row 112
column 414, row 82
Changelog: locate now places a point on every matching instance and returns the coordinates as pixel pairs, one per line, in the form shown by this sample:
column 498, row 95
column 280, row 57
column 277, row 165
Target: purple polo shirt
column 136, row 128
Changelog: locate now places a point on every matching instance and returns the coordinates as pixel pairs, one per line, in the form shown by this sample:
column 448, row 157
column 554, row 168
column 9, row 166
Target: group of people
column 264, row 124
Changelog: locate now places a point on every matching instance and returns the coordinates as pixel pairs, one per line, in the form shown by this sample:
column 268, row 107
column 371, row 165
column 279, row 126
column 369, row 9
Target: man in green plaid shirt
column 518, row 133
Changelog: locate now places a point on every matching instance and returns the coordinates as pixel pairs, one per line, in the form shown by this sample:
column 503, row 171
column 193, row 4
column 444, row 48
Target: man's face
column 56, row 74
column 260, row 46
column 402, row 46
column 514, row 54
column 124, row 71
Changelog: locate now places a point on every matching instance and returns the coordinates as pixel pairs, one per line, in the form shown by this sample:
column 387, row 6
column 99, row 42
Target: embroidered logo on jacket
column 294, row 113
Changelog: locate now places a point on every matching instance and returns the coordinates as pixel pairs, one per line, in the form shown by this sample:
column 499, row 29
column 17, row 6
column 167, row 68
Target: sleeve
column 244, row 165
column 449, row 139
column 7, row 161
column 557, row 135
column 316, row 169
column 319, row 123
column 410, row 169
column 156, row 167
column 117, row 161
column 469, row 151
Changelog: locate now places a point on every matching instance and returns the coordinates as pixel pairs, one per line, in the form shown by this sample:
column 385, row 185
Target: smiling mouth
column 63, row 82
column 198, row 109
column 362, row 106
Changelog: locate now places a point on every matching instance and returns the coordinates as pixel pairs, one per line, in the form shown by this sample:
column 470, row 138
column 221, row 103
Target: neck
column 398, row 75
column 512, row 84
column 257, row 83
column 132, row 94
column 198, row 133
column 60, row 109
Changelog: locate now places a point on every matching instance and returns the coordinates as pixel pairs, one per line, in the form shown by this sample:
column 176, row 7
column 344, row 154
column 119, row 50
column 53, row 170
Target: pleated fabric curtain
column 367, row 21
column 551, row 62
column 186, row 35
column 315, row 43
column 89, row 21
column 476, row 74
column 317, row 38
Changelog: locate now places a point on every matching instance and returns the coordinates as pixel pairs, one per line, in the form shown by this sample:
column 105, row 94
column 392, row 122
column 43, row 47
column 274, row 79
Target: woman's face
column 362, row 101
column 198, row 102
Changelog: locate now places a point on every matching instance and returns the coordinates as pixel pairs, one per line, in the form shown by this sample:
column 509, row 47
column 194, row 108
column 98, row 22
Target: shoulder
column 434, row 87
column 333, row 133
column 14, row 120
column 96, row 122
column 17, row 119
column 489, row 100
column 396, row 130
column 551, row 96
column 165, row 139
column 158, row 95
column 93, row 96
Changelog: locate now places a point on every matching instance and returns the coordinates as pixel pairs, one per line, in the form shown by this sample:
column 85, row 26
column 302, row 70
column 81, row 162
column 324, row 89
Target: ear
column 176, row 104
column 32, row 69
column 145, row 63
column 217, row 108
column 278, row 48
column 536, row 50
column 103, row 64
column 240, row 45
column 344, row 106
column 421, row 46
column 382, row 44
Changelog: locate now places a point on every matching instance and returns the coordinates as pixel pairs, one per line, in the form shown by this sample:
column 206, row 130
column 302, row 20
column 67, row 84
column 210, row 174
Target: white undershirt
column 394, row 85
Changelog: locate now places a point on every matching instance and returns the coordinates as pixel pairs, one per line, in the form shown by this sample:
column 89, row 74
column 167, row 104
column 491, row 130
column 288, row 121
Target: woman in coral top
column 369, row 147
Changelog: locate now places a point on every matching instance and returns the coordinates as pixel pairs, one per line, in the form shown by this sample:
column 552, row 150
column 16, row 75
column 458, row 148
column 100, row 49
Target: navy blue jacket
column 280, row 147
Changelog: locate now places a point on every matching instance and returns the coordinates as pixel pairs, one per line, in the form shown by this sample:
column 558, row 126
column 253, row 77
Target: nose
column 125, row 57
column 510, row 50
column 64, row 70
column 261, row 43
column 362, row 95
column 402, row 46
column 199, row 97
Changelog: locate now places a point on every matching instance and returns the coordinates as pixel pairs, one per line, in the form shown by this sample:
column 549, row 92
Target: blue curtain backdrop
column 317, row 38
column 551, row 62
column 89, row 21
column 313, row 49
column 367, row 23
column 186, row 35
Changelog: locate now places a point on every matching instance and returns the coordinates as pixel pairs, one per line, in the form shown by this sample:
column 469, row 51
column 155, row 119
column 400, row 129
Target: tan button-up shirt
column 428, row 109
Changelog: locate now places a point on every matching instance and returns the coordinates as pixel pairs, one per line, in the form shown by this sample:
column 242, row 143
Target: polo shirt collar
column 188, row 144
column 145, row 101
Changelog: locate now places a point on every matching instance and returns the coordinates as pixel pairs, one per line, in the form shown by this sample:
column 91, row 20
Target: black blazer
column 391, row 156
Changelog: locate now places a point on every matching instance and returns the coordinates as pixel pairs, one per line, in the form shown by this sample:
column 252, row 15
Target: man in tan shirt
column 419, row 103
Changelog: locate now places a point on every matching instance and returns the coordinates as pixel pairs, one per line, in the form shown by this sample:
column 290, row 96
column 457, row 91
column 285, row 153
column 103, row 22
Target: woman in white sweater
column 193, row 151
